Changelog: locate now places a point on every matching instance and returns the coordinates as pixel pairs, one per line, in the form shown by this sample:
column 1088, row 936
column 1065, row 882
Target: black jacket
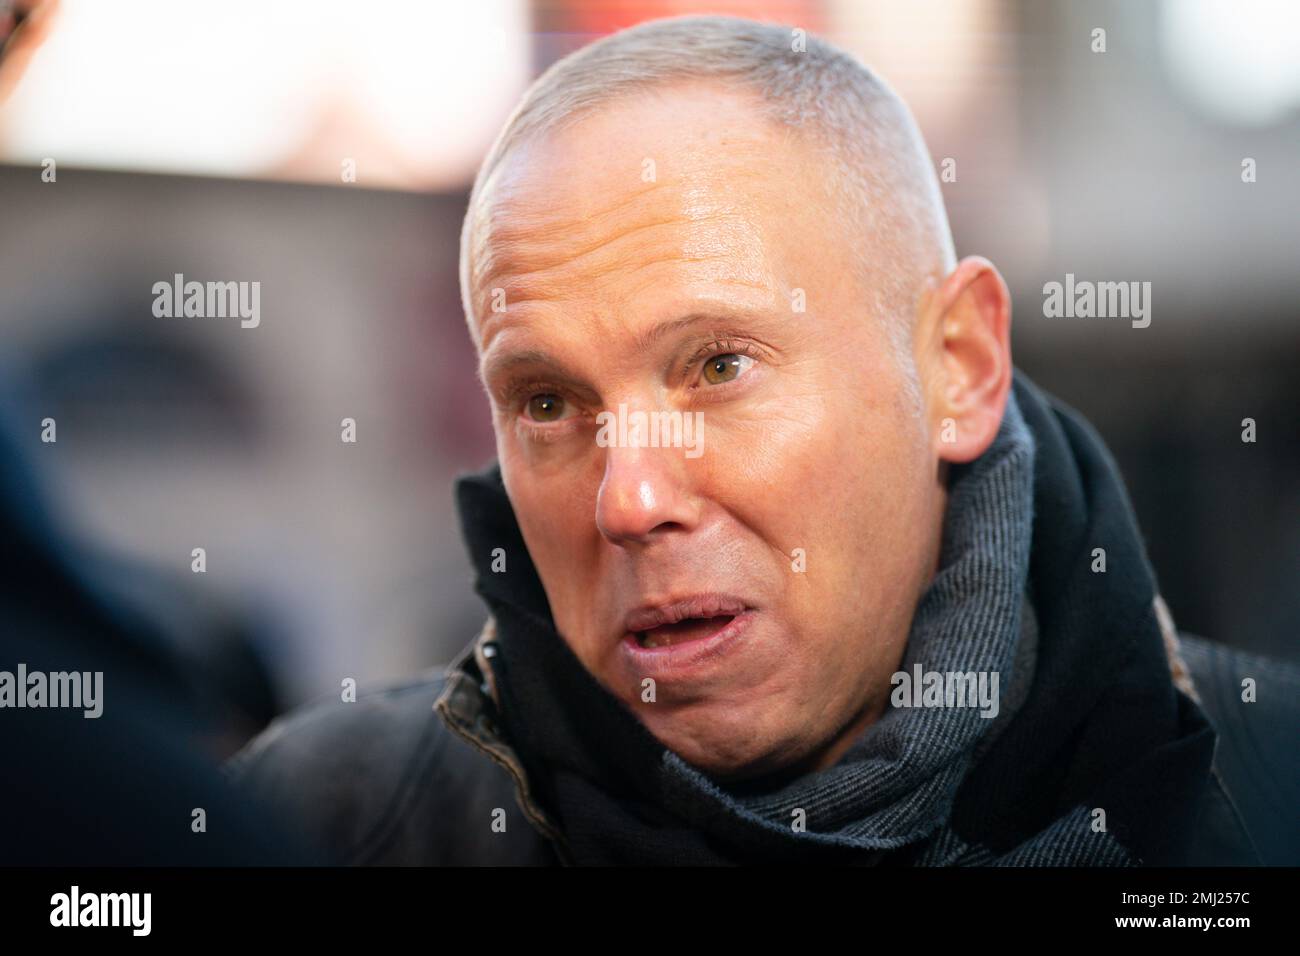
column 386, row 781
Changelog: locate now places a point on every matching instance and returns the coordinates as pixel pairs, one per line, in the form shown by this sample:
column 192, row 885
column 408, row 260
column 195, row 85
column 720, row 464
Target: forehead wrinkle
column 513, row 210
column 514, row 225
column 509, row 219
column 550, row 287
column 525, row 262
column 532, row 275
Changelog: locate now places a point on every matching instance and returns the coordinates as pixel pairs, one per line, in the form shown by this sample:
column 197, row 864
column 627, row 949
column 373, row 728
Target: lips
column 682, row 621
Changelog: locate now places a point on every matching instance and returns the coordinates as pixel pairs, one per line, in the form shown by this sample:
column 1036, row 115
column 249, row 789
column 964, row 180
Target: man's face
column 652, row 257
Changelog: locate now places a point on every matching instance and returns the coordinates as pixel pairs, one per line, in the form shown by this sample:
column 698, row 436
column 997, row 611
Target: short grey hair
column 880, row 175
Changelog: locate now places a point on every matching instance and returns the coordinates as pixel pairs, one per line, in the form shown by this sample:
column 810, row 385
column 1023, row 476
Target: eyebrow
column 496, row 366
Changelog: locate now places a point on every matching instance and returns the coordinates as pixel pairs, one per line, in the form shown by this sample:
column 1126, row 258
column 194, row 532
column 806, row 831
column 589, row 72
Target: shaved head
column 876, row 177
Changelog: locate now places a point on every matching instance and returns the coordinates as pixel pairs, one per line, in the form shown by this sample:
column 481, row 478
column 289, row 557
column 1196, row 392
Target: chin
column 726, row 747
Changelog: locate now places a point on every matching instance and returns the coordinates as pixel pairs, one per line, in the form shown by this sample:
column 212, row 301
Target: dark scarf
column 1089, row 718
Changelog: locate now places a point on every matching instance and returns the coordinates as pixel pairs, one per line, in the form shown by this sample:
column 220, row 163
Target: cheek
column 762, row 456
column 549, row 515
column 557, row 522
column 819, row 465
column 538, row 511
column 841, row 473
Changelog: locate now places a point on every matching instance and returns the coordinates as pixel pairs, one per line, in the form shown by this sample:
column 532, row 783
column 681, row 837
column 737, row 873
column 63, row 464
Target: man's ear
column 970, row 359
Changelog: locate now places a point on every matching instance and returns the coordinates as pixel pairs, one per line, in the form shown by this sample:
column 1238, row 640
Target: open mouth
column 683, row 631
column 696, row 617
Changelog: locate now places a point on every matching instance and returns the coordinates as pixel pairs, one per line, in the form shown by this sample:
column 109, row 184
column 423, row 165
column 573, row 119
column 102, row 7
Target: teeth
column 685, row 629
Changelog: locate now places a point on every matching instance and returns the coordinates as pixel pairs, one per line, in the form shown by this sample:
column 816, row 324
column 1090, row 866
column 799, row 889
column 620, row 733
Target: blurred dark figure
column 123, row 788
column 138, row 784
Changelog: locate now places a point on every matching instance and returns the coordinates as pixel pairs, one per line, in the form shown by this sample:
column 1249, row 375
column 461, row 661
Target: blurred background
column 325, row 150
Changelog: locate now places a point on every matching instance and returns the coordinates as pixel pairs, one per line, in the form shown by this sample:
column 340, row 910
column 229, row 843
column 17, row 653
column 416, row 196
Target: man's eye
column 546, row 408
column 723, row 368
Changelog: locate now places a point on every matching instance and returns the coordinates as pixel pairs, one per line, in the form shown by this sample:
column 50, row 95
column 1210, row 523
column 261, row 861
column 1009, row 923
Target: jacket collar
column 470, row 706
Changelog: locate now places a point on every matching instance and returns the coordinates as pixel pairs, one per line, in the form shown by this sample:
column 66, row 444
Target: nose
column 643, row 494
